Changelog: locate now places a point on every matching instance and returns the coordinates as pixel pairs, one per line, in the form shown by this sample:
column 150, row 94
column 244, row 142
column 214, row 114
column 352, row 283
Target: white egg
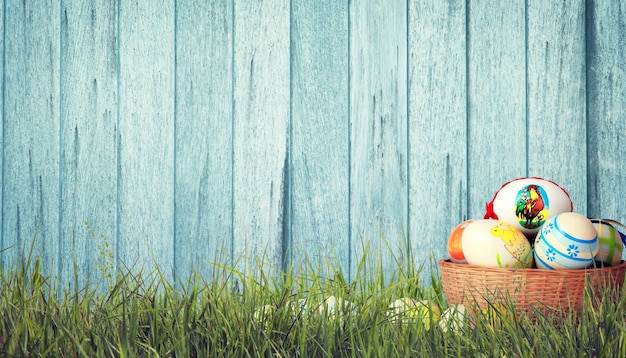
column 454, row 318
column 526, row 203
column 566, row 241
column 494, row 243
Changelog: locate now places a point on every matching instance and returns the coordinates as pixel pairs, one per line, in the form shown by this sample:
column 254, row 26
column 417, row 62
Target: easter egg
column 263, row 314
column 455, row 249
column 407, row 310
column 454, row 318
column 610, row 244
column 299, row 308
column 333, row 307
column 494, row 243
column 566, row 241
column 526, row 203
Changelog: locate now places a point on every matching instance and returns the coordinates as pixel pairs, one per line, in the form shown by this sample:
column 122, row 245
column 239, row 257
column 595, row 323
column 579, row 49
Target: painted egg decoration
column 526, row 203
column 494, row 243
column 610, row 242
column 566, row 241
column 455, row 249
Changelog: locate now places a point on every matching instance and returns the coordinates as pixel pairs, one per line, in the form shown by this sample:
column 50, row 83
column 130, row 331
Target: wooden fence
column 283, row 130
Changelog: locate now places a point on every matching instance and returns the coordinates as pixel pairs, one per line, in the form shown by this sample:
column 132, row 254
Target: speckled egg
column 566, row 241
column 610, row 245
column 494, row 243
column 526, row 203
column 455, row 249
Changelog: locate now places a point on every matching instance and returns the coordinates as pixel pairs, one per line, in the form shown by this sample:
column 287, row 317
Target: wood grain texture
column 2, row 113
column 88, row 132
column 497, row 99
column 437, row 125
column 261, row 125
column 275, row 131
column 556, row 96
column 31, row 131
column 146, row 136
column 203, row 136
column 606, row 109
column 378, row 117
column 320, row 147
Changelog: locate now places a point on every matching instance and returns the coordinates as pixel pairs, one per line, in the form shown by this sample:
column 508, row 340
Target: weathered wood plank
column 496, row 99
column 378, row 116
column 2, row 113
column 146, row 136
column 556, row 95
column 437, row 125
column 31, row 129
column 88, row 131
column 261, row 124
column 606, row 109
column 203, row 136
column 320, row 147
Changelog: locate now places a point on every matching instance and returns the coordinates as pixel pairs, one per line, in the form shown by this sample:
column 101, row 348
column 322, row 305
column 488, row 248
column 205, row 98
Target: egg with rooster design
column 526, row 203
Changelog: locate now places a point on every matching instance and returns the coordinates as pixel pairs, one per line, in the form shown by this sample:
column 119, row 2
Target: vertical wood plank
column 320, row 128
column 556, row 96
column 146, row 135
column 2, row 120
column 437, row 125
column 261, row 124
column 203, row 135
column 88, row 132
column 496, row 102
column 606, row 109
column 31, row 130
column 378, row 115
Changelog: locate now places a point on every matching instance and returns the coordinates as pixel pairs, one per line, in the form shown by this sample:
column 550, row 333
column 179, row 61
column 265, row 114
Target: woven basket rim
column 470, row 267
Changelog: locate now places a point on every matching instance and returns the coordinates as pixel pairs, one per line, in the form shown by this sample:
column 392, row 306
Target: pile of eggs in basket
column 530, row 222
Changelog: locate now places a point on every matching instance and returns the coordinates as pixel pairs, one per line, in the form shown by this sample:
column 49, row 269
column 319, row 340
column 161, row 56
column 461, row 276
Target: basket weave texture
column 548, row 290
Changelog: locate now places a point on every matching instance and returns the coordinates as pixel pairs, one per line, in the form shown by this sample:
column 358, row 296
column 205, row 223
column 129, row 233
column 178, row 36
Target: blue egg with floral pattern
column 566, row 241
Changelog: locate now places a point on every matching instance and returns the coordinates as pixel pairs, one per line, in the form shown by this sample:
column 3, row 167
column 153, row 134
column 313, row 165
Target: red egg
column 455, row 248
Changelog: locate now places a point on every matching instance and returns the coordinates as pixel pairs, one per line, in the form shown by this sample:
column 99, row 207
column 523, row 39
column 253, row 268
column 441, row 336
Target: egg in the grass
column 454, row 318
column 409, row 310
column 526, row 203
column 610, row 246
column 455, row 249
column 566, row 241
column 495, row 243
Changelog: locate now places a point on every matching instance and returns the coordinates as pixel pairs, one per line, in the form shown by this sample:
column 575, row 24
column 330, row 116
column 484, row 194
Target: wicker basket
column 548, row 290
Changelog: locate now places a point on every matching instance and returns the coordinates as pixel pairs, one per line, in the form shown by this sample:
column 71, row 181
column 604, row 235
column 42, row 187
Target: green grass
column 239, row 315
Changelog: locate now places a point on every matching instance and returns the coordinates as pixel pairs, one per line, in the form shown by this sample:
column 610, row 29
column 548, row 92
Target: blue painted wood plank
column 88, row 130
column 606, row 109
column 437, row 126
column 203, row 136
column 378, row 116
column 556, row 96
column 31, row 129
column 320, row 145
column 261, row 123
column 2, row 113
column 146, row 136
column 496, row 99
